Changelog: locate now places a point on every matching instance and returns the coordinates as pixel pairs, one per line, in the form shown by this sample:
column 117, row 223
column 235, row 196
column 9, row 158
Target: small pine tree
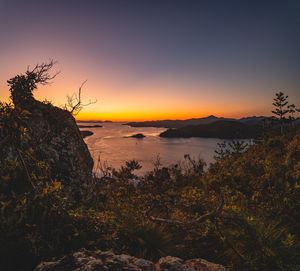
column 280, row 103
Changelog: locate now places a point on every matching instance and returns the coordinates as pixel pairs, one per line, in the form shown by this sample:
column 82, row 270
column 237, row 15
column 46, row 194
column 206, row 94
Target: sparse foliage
column 228, row 148
column 222, row 151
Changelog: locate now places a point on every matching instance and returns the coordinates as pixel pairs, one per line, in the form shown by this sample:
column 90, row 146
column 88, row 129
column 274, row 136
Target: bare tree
column 74, row 103
column 42, row 74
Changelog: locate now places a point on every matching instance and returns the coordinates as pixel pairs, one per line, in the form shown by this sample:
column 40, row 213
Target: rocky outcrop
column 59, row 140
column 99, row 260
column 55, row 139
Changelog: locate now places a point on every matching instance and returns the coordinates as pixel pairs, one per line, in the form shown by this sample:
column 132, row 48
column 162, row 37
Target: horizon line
column 144, row 120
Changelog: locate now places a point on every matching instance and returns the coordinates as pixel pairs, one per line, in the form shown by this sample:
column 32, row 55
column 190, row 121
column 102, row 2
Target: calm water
column 109, row 144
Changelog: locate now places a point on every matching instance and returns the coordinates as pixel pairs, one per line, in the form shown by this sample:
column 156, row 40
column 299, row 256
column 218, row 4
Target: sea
column 111, row 146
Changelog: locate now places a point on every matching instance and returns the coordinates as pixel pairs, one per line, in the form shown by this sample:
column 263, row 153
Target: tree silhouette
column 22, row 86
column 280, row 103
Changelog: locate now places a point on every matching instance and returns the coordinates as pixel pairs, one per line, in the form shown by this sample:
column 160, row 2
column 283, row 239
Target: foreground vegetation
column 243, row 212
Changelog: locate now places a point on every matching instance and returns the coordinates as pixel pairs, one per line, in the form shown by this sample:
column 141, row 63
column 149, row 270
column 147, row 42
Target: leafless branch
column 41, row 72
column 200, row 219
column 74, row 103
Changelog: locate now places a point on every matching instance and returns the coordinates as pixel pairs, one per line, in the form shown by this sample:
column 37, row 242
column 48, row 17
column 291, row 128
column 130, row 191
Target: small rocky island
column 90, row 126
column 138, row 136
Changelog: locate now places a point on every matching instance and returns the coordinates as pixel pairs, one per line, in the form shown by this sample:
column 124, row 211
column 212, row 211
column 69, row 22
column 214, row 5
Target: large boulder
column 60, row 143
column 53, row 135
column 98, row 260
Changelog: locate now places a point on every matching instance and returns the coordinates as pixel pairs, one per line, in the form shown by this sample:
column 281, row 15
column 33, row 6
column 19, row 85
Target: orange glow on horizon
column 127, row 116
column 153, row 116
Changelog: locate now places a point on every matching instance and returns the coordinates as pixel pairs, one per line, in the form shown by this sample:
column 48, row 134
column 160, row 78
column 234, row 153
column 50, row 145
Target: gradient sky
column 157, row 59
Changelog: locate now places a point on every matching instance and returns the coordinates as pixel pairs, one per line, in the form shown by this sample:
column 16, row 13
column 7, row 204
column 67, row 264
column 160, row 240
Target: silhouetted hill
column 182, row 123
column 225, row 129
column 175, row 123
column 251, row 120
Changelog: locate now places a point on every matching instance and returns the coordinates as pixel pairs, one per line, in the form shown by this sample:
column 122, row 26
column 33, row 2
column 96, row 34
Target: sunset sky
column 164, row 59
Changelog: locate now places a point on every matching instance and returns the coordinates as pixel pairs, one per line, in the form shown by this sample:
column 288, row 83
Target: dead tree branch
column 217, row 213
column 41, row 72
column 200, row 219
column 74, row 103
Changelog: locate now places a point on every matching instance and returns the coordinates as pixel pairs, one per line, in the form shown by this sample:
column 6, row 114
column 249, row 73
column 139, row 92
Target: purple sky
column 157, row 59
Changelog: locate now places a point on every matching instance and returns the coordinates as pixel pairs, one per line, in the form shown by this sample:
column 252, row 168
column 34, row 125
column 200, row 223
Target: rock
column 203, row 265
column 99, row 260
column 55, row 138
column 172, row 263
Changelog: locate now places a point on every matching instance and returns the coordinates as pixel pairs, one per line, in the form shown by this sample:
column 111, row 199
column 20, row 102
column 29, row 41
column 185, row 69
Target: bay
column 113, row 146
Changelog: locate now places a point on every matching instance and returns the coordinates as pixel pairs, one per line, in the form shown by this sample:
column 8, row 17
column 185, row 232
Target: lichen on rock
column 100, row 260
column 59, row 142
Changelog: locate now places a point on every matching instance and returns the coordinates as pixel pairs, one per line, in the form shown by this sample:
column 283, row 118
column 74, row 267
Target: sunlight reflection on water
column 111, row 144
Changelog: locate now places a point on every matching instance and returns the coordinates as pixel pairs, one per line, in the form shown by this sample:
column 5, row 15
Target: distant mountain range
column 182, row 123
column 210, row 127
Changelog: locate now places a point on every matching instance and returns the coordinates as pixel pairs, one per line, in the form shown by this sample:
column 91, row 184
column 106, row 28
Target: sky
column 164, row 59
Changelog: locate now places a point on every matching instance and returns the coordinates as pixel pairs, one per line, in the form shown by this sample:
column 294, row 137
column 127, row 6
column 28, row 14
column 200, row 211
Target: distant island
column 139, row 135
column 93, row 121
column 224, row 129
column 90, row 126
column 209, row 127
